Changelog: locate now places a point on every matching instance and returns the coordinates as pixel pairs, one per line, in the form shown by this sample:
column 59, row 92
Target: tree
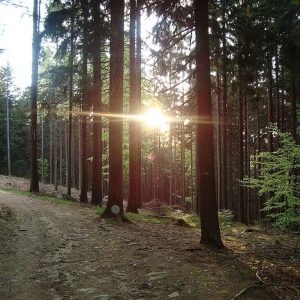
column 279, row 182
column 70, row 131
column 34, row 180
column 97, row 153
column 114, row 206
column 84, row 106
column 206, row 194
column 134, row 197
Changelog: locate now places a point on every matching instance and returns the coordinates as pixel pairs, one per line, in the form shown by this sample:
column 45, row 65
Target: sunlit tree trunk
column 8, row 130
column 114, row 207
column 171, row 163
column 42, row 150
column 84, row 107
column 206, row 193
column 134, row 126
column 79, row 154
column 60, row 154
column 55, row 155
column 139, row 99
column 51, row 150
column 70, row 166
column 34, row 179
column 66, row 153
column 182, row 162
column 96, row 99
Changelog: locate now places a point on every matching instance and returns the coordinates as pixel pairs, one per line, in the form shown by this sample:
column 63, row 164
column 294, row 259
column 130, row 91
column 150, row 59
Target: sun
column 154, row 118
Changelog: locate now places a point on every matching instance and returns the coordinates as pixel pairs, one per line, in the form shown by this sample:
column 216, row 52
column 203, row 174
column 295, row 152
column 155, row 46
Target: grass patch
column 55, row 200
column 100, row 211
column 17, row 192
column 192, row 220
column 60, row 201
column 147, row 218
column 111, row 221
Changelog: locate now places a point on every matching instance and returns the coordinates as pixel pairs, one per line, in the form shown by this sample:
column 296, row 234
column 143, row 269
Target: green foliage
column 46, row 168
column 225, row 217
column 279, row 181
column 188, row 200
column 147, row 218
column 55, row 200
column 47, row 198
column 99, row 211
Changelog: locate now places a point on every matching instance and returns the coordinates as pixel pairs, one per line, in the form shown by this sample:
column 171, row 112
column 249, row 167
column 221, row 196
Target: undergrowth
column 47, row 198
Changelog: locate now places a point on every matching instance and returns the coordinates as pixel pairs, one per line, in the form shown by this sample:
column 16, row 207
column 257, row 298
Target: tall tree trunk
column 134, row 152
column 171, row 163
column 60, row 154
column 192, row 171
column 79, row 153
column 74, row 148
column 70, row 132
column 34, row 178
column 84, row 108
column 51, row 150
column 97, row 128
column 277, row 89
column 224, row 132
column 114, row 207
column 270, row 103
column 294, row 104
column 241, row 154
column 206, row 193
column 139, row 99
column 55, row 155
column 42, row 150
column 8, row 130
column 219, row 148
column 247, row 159
column 66, row 152
column 182, row 163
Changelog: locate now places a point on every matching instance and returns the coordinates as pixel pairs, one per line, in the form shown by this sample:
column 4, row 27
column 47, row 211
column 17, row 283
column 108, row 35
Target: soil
column 55, row 251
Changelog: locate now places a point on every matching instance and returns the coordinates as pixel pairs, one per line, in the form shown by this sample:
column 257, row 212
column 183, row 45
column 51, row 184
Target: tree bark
column 270, row 104
column 70, row 132
column 294, row 104
column 241, row 153
column 34, row 178
column 224, row 121
column 97, row 128
column 84, row 108
column 134, row 126
column 206, row 193
column 114, row 206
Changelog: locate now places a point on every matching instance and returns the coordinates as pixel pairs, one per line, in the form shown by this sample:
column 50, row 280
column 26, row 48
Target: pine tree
column 206, row 194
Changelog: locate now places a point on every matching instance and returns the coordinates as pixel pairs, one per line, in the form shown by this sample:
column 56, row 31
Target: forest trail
column 54, row 251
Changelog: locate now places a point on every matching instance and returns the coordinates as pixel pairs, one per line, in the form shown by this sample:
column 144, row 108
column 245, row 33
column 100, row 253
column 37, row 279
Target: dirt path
column 50, row 251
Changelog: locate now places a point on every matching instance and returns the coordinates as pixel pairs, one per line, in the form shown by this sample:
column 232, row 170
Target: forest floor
column 56, row 249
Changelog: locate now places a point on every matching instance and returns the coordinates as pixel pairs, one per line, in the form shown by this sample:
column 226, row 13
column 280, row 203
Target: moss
column 147, row 218
column 111, row 221
column 191, row 220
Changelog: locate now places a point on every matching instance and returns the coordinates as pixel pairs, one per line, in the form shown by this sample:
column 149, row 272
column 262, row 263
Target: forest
column 176, row 112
